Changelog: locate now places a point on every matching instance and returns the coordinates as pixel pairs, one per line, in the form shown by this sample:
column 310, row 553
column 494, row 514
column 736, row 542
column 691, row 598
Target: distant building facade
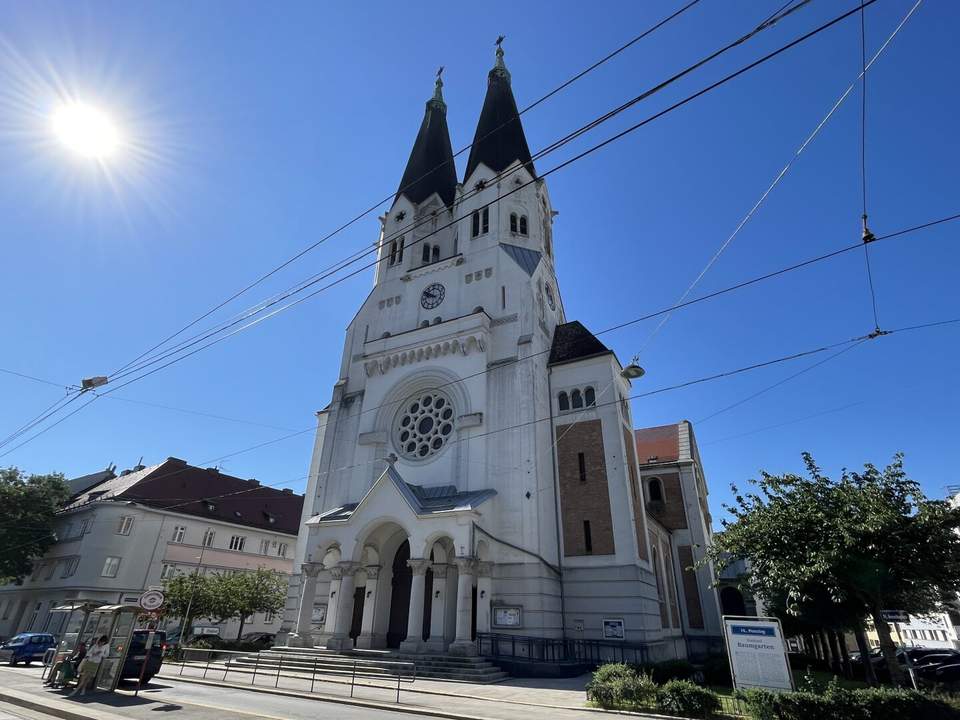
column 121, row 534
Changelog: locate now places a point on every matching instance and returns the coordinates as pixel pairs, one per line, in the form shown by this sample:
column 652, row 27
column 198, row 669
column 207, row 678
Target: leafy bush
column 667, row 670
column 836, row 702
column 686, row 698
column 620, row 686
column 716, row 671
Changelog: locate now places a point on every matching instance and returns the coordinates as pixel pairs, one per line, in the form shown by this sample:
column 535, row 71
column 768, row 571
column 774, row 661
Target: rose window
column 424, row 424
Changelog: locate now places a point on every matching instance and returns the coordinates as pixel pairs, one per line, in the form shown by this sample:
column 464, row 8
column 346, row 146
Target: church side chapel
column 476, row 473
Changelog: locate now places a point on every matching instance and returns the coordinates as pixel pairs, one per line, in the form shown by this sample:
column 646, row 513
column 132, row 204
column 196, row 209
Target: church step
column 487, row 674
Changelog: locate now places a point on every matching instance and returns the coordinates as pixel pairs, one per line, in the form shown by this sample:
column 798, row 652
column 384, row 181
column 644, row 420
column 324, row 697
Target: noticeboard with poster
column 507, row 616
column 613, row 629
column 319, row 616
column 757, row 653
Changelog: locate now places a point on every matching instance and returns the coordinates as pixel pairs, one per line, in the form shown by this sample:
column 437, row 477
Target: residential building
column 121, row 534
column 476, row 470
column 928, row 631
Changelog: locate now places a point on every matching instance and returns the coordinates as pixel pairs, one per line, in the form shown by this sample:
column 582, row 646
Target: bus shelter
column 117, row 622
column 78, row 613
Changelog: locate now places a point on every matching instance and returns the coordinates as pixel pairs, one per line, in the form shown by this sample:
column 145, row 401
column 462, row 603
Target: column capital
column 348, row 567
column 373, row 572
column 466, row 565
column 419, row 566
column 311, row 569
column 440, row 570
column 484, row 568
column 336, row 573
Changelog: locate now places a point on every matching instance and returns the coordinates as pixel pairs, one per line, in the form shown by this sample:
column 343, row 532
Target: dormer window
column 523, row 225
column 480, row 222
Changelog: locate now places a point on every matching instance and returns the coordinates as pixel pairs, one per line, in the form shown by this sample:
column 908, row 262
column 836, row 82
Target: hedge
column 866, row 704
column 622, row 687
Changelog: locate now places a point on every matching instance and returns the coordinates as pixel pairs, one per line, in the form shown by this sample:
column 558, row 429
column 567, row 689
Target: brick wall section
column 690, row 592
column 631, row 461
column 670, row 513
column 588, row 500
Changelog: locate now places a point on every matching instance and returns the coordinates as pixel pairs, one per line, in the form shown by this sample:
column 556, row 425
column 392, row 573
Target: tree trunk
column 827, row 657
column 844, row 654
column 869, row 675
column 837, row 664
column 888, row 650
column 240, row 631
column 815, row 643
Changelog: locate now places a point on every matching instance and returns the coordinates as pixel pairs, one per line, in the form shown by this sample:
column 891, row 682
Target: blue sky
column 258, row 128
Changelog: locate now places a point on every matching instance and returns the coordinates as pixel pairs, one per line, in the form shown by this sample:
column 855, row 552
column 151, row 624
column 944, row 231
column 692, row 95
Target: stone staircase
column 374, row 662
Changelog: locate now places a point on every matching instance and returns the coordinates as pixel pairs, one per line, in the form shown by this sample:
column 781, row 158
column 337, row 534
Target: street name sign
column 757, row 653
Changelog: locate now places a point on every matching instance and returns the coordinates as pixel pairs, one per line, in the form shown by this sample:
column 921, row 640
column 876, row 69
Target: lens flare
column 86, row 130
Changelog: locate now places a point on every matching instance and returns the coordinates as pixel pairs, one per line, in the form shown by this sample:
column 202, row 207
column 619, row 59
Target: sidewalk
column 209, row 700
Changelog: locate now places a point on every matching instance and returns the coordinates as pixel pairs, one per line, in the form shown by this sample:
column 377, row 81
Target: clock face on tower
column 432, row 296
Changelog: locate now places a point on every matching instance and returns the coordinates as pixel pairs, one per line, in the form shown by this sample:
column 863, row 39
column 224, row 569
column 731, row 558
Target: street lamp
column 633, row 371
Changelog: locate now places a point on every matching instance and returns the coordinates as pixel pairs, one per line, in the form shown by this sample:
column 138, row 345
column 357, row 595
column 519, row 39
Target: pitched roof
column 658, row 444
column 422, row 500
column 204, row 492
column 526, row 258
column 430, row 168
column 572, row 341
column 499, row 139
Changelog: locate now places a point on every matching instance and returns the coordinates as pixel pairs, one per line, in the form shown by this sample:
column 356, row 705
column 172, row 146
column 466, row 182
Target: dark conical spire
column 430, row 168
column 499, row 139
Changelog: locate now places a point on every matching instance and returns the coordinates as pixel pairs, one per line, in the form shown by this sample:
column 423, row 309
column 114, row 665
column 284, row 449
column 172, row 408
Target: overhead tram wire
column 688, row 303
column 776, row 181
column 649, row 393
column 140, row 363
column 389, row 197
column 556, row 168
column 513, row 190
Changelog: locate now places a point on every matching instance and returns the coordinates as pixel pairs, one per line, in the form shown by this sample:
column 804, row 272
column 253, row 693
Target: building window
column 423, row 425
column 237, row 542
column 208, row 537
column 590, row 397
column 126, row 525
column 503, row 297
column 396, row 251
column 480, row 222
column 582, row 463
column 576, row 399
column 70, row 567
column 435, row 253
column 513, row 222
column 523, row 225
column 264, row 547
column 587, row 538
column 51, row 569
column 268, row 618
column 84, row 527
column 178, row 532
column 282, row 550
column 563, row 402
column 33, row 618
column 426, row 253
column 110, row 567
column 655, row 490
column 168, row 571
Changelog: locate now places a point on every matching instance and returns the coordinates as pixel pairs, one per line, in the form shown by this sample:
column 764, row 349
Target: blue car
column 26, row 647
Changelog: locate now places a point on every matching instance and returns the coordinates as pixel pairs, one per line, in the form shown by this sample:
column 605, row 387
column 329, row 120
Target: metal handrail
column 540, row 649
column 402, row 671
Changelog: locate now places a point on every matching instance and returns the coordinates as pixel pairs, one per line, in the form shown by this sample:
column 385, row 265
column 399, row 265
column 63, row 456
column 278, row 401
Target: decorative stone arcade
column 403, row 571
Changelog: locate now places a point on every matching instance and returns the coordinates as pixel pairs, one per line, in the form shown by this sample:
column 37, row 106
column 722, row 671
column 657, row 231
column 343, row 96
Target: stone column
column 414, row 641
column 368, row 639
column 463, row 644
column 333, row 598
column 341, row 640
column 303, row 637
column 484, row 570
column 437, row 643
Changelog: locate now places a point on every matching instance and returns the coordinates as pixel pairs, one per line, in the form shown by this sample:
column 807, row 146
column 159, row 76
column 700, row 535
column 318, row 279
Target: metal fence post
column 226, row 669
column 256, row 667
column 353, row 678
column 209, row 658
column 279, row 671
column 399, row 674
column 313, row 676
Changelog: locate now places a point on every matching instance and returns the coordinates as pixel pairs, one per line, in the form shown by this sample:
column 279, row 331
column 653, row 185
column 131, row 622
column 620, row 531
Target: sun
column 86, row 130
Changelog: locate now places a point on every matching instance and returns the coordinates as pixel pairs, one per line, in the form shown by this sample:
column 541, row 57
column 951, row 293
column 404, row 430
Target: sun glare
column 86, row 130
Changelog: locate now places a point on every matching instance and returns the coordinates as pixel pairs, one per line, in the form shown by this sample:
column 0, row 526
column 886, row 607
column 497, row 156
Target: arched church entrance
column 399, row 596
column 731, row 602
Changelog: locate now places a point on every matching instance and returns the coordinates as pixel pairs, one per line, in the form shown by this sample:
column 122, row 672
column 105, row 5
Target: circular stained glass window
column 424, row 424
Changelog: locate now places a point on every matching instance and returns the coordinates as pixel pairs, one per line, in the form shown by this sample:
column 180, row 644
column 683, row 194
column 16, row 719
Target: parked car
column 947, row 674
column 133, row 665
column 26, row 647
column 926, row 666
column 260, row 638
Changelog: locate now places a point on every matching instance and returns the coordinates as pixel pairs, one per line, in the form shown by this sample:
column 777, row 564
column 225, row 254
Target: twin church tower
column 475, row 470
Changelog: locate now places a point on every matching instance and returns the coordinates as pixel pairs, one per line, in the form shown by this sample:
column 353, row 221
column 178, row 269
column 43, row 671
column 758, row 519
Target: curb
column 56, row 707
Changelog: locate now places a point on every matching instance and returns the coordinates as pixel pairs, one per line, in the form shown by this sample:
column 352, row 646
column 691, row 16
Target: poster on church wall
column 319, row 614
column 507, row 616
column 757, row 653
column 613, row 629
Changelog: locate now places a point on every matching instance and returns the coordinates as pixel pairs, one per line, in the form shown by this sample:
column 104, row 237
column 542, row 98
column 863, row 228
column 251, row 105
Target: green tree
column 868, row 539
column 187, row 597
column 239, row 595
column 29, row 503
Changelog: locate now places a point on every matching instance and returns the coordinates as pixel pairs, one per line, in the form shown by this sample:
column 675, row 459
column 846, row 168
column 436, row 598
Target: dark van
column 135, row 656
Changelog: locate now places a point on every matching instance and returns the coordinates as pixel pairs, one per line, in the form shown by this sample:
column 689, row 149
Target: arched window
column 480, row 222
column 563, row 402
column 655, row 490
column 426, row 252
column 475, row 224
column 435, row 253
column 731, row 602
column 523, row 225
column 400, row 242
column 576, row 399
column 425, row 323
column 590, row 397
column 513, row 222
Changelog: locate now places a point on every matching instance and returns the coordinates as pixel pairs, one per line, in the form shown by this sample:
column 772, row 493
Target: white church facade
column 476, row 470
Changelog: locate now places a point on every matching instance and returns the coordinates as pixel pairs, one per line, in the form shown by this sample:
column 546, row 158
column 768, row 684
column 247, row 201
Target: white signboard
column 758, row 654
column 151, row 600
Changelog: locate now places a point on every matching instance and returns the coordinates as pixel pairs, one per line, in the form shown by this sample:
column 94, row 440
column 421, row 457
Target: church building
column 476, row 471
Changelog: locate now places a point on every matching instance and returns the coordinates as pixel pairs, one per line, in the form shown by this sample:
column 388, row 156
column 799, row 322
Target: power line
column 343, row 264
column 387, row 198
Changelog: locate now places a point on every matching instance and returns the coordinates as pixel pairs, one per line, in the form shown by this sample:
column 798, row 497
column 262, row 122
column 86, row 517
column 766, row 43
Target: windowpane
column 208, row 537
column 435, row 253
column 576, row 399
column 485, row 220
column 582, row 463
column 523, row 224
column 563, row 402
column 513, row 222
column 426, row 252
column 656, row 490
column 237, row 542
column 110, row 567
column 587, row 538
column 475, row 227
column 178, row 532
column 590, row 397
